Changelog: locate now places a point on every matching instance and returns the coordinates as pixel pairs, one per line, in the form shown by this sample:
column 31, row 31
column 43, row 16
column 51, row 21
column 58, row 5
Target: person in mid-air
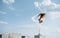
column 41, row 17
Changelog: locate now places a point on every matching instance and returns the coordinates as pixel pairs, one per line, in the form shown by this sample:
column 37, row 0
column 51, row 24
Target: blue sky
column 16, row 17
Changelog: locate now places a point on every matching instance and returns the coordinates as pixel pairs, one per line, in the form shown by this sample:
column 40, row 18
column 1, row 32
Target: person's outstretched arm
column 34, row 18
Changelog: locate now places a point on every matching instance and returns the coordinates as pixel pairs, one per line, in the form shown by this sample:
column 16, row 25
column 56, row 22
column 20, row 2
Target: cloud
column 46, row 28
column 3, row 22
column 54, row 14
column 46, row 4
column 9, row 1
column 50, row 3
column 3, row 12
column 11, row 8
column 9, row 4
column 26, row 26
column 58, row 29
column 37, row 4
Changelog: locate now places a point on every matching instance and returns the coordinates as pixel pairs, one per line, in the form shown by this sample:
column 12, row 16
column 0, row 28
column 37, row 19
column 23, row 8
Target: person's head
column 42, row 15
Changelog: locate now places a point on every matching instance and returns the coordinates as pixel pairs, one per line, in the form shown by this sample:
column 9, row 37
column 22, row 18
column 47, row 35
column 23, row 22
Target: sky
column 16, row 17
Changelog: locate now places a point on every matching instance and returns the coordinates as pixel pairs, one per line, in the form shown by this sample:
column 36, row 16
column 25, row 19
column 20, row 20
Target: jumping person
column 41, row 17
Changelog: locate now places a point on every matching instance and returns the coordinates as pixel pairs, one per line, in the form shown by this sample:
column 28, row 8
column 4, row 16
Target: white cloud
column 46, row 27
column 2, row 12
column 11, row 8
column 54, row 14
column 3, row 22
column 46, row 4
column 58, row 29
column 8, row 1
column 50, row 3
column 37, row 4
column 56, row 5
column 9, row 4
column 26, row 27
